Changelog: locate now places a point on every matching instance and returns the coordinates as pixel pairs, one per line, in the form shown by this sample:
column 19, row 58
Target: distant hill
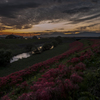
column 88, row 34
column 81, row 34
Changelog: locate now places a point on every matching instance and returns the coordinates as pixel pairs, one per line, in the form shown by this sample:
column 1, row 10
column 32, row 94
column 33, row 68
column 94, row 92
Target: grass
column 26, row 62
column 91, row 83
column 89, row 88
column 17, row 46
column 22, row 41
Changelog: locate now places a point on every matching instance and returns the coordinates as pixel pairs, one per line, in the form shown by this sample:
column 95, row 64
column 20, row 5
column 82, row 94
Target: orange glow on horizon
column 47, row 27
column 67, row 33
column 20, row 34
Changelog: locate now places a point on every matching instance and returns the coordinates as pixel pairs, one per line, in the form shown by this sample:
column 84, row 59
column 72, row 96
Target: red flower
column 80, row 66
column 76, row 78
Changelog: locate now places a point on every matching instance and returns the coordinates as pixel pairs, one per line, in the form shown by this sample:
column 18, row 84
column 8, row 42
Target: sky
column 45, row 16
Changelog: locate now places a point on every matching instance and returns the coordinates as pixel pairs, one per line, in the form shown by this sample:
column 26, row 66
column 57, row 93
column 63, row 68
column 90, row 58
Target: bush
column 5, row 57
column 29, row 47
column 3, row 46
column 59, row 39
column 46, row 46
column 55, row 43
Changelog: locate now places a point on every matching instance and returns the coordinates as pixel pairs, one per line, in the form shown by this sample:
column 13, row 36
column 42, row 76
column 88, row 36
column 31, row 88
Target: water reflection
column 20, row 56
column 26, row 55
column 39, row 48
column 52, row 47
column 33, row 52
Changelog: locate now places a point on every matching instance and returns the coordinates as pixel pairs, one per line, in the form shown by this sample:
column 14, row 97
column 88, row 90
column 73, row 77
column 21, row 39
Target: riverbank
column 17, row 46
column 26, row 62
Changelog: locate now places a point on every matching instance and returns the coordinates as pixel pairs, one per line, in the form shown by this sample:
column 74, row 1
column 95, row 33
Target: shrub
column 29, row 47
column 5, row 57
column 46, row 46
column 55, row 43
column 59, row 39
column 3, row 46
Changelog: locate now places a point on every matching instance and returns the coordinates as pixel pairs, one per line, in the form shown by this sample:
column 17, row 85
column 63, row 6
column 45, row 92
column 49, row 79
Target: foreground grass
column 26, row 62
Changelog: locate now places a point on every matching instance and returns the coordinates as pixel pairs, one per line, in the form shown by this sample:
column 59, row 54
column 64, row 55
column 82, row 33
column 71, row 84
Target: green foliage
column 28, row 47
column 87, row 96
column 24, row 63
column 5, row 57
column 59, row 39
column 55, row 43
column 84, row 98
column 18, row 45
column 46, row 46
column 3, row 46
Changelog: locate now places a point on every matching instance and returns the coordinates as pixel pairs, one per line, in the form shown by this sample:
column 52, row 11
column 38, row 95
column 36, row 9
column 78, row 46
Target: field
column 26, row 62
column 18, row 45
column 67, row 72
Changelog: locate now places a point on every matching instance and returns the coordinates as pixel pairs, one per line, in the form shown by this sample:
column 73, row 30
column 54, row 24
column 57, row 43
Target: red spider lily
column 24, row 84
column 80, row 66
column 75, row 78
column 74, row 60
column 43, row 94
column 68, row 84
column 5, row 98
column 33, row 69
column 22, row 97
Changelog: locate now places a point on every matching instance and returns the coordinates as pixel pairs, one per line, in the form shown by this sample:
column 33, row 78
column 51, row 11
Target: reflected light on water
column 39, row 48
column 25, row 55
column 33, row 52
column 52, row 47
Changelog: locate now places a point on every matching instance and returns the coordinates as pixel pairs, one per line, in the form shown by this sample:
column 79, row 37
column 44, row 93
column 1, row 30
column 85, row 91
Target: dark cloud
column 89, row 26
column 74, row 21
column 78, row 10
column 18, row 27
column 54, row 21
column 23, row 14
column 9, row 9
column 48, row 30
column 94, row 1
column 61, row 29
column 4, row 28
column 93, row 25
column 27, row 26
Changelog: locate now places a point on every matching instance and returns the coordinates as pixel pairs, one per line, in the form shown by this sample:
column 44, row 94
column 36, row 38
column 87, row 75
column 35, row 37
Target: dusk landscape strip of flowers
column 16, row 77
column 56, row 83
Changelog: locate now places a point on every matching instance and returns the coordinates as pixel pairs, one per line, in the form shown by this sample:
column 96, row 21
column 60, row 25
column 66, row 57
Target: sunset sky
column 31, row 16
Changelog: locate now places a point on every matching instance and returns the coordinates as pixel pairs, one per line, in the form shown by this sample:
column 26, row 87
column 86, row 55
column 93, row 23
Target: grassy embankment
column 89, row 87
column 26, row 62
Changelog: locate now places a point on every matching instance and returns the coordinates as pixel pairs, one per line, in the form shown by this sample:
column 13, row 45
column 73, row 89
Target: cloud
column 48, row 30
column 89, row 26
column 27, row 26
column 74, row 21
column 4, row 28
column 9, row 9
column 61, row 29
column 94, row 1
column 78, row 10
column 23, row 14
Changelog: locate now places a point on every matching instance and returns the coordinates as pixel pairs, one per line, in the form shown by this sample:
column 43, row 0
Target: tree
column 5, row 57
column 55, row 43
column 59, row 39
column 46, row 46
